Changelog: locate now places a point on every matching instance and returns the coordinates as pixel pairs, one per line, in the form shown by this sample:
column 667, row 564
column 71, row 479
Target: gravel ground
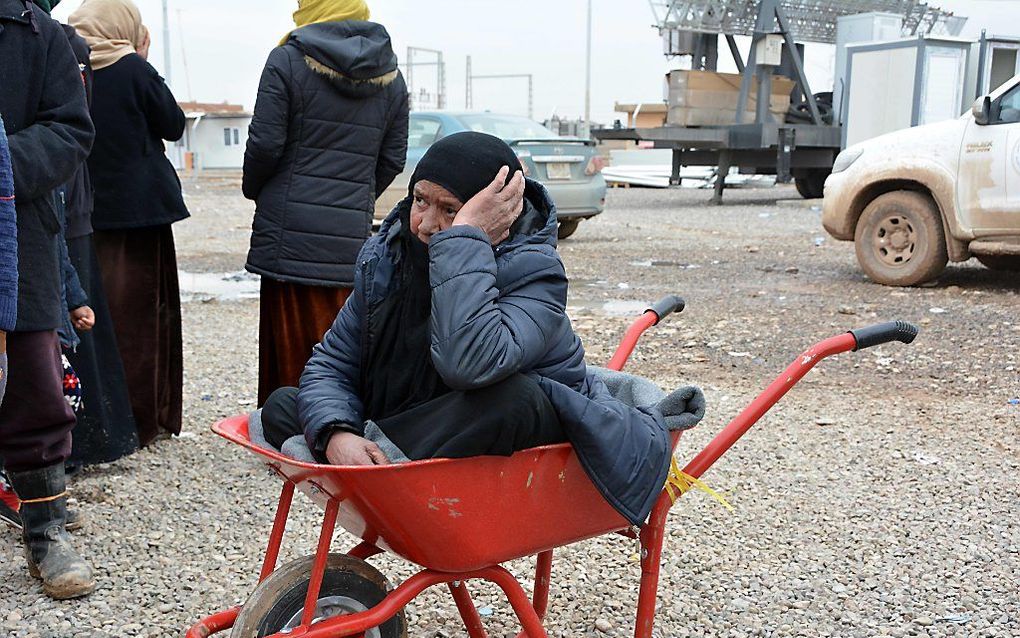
column 879, row 498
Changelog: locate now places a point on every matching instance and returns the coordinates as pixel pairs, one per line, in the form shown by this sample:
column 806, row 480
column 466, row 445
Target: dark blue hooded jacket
column 8, row 240
column 496, row 311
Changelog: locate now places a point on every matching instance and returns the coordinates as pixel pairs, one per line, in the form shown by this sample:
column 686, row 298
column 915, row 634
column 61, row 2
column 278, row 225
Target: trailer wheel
column 1008, row 263
column 566, row 228
column 899, row 239
column 811, row 184
column 349, row 585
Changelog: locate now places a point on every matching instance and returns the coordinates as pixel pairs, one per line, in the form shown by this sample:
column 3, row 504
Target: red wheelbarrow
column 459, row 519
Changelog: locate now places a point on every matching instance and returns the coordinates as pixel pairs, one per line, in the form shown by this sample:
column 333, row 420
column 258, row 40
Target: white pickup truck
column 915, row 199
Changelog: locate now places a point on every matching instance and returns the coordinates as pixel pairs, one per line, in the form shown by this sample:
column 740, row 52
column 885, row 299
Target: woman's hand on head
column 496, row 207
column 347, row 448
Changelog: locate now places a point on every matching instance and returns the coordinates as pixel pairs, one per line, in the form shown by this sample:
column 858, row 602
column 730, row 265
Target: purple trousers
column 35, row 420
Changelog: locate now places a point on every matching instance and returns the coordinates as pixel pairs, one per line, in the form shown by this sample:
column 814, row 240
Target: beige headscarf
column 113, row 28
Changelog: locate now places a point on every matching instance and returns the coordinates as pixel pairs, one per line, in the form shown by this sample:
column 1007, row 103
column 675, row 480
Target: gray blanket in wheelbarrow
column 616, row 404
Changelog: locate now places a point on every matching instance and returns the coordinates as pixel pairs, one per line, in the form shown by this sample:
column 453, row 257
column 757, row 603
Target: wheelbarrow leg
column 466, row 607
column 321, row 555
column 525, row 611
column 279, row 525
column 543, row 570
column 651, row 554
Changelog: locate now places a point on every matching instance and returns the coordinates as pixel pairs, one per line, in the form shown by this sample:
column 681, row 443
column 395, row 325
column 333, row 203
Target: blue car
column 570, row 168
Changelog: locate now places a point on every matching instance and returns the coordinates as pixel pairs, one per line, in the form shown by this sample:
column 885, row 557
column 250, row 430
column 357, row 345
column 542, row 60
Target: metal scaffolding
column 469, row 89
column 420, row 96
column 809, row 20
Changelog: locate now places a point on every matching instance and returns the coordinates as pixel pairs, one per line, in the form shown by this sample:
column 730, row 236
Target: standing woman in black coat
column 137, row 198
column 106, row 428
column 328, row 136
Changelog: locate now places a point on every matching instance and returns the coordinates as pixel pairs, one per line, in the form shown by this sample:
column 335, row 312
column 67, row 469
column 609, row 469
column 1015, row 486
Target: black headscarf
column 465, row 163
column 398, row 373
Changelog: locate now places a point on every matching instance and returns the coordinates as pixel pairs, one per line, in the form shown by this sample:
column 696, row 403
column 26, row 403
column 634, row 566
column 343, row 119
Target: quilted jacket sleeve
column 8, row 240
column 393, row 154
column 162, row 113
column 482, row 334
column 328, row 393
column 46, row 154
column 267, row 133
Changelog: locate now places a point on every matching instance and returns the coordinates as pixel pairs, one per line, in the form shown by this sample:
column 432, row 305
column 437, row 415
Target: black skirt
column 106, row 427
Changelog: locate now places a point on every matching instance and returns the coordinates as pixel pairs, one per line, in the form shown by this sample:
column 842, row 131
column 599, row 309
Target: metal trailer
column 803, row 152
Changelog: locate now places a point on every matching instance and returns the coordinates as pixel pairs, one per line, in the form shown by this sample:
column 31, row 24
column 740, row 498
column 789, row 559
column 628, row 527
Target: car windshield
column 507, row 127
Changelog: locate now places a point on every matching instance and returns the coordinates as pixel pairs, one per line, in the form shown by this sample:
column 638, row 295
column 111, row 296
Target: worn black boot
column 48, row 549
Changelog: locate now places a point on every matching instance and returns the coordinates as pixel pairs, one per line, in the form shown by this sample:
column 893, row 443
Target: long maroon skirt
column 139, row 268
column 292, row 319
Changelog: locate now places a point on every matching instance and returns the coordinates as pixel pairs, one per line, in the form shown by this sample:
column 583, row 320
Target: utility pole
column 166, row 43
column 467, row 84
column 420, row 95
column 587, row 75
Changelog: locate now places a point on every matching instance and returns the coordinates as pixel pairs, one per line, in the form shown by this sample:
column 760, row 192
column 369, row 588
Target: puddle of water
column 624, row 308
column 218, row 286
column 648, row 263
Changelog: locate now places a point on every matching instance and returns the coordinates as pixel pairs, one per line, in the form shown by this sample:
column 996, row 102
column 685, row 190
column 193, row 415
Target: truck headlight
column 846, row 158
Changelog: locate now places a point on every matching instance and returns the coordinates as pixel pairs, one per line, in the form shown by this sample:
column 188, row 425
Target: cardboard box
column 708, row 98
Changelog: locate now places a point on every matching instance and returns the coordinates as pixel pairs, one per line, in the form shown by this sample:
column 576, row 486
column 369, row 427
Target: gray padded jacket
column 496, row 311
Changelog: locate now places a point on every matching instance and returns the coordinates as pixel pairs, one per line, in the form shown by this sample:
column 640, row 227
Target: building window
column 237, row 137
column 226, row 137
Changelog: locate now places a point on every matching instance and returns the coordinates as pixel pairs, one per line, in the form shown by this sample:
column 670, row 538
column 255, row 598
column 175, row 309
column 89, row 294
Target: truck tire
column 899, row 239
column 1008, row 263
column 811, row 184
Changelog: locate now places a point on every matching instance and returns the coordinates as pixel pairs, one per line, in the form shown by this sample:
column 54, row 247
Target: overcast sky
column 219, row 48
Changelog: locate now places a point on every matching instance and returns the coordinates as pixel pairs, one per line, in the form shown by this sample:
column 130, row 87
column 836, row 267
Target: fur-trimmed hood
column 356, row 56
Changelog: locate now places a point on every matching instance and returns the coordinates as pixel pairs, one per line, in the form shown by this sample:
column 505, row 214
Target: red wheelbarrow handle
column 652, row 316
column 853, row 340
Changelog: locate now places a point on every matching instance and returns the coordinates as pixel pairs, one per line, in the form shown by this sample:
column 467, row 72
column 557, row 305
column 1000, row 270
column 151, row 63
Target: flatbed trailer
column 804, row 152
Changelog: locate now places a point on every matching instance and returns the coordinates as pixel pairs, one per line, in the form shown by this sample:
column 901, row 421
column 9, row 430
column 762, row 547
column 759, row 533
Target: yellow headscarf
column 112, row 28
column 314, row 11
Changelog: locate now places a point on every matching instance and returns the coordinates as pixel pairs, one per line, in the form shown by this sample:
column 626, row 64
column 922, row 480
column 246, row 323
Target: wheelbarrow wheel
column 349, row 585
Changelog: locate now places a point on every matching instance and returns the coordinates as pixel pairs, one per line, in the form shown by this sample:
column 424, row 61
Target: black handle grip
column 884, row 333
column 666, row 306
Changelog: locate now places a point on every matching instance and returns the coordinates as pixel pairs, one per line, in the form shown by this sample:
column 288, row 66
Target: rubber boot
column 48, row 549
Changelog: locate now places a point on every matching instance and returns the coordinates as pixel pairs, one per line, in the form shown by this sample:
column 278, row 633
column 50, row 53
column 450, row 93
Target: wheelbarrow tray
column 455, row 515
column 461, row 518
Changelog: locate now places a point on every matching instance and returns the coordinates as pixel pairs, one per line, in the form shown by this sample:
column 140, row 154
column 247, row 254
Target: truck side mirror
column 981, row 110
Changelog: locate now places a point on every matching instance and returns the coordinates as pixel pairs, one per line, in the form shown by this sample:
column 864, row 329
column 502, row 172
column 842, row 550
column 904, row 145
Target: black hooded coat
column 329, row 134
column 42, row 102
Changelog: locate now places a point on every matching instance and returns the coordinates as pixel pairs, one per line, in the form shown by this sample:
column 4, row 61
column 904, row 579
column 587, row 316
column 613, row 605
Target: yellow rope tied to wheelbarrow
column 679, row 483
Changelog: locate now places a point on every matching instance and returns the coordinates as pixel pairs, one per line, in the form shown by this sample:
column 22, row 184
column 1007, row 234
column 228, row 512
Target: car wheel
column 900, row 240
column 811, row 184
column 1008, row 263
column 349, row 585
column 567, row 228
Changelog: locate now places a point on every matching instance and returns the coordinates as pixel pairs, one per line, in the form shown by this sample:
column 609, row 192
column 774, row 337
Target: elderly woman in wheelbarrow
column 456, row 341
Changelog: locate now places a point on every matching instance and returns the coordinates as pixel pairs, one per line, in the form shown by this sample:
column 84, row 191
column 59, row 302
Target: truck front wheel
column 811, row 183
column 900, row 240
